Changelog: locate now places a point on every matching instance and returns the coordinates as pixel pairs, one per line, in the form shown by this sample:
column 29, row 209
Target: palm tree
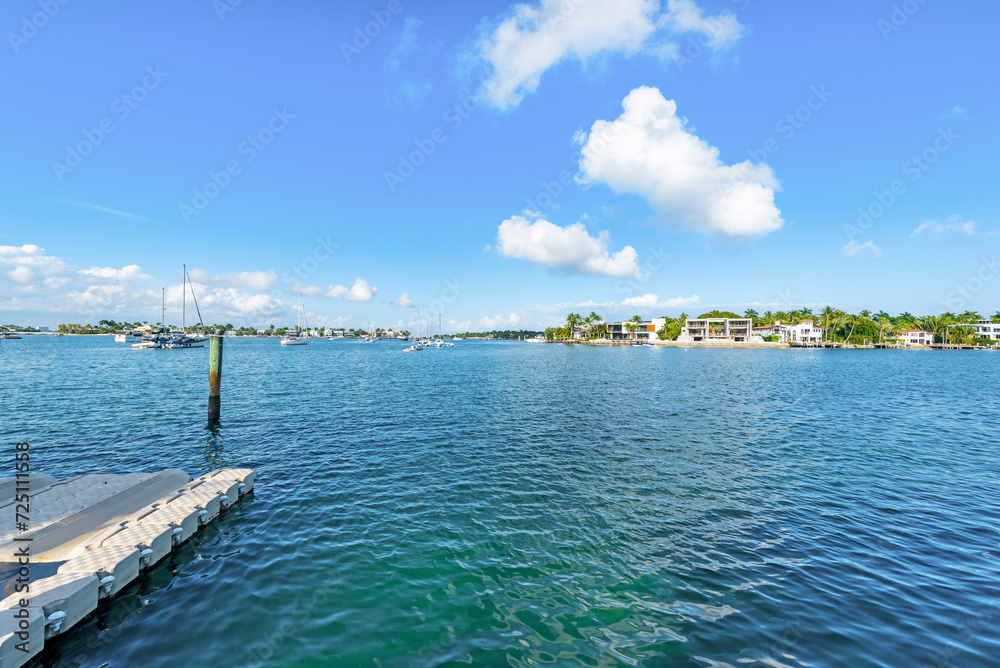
column 768, row 317
column 853, row 319
column 750, row 313
column 996, row 317
column 573, row 319
column 634, row 323
column 827, row 315
column 970, row 316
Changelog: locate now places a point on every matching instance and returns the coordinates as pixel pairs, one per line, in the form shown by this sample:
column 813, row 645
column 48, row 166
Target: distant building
column 43, row 329
column 642, row 331
column 804, row 332
column 719, row 330
column 916, row 337
column 984, row 329
column 774, row 329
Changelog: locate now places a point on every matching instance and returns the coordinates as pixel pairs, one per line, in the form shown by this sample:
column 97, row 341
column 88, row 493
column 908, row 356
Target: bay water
column 513, row 504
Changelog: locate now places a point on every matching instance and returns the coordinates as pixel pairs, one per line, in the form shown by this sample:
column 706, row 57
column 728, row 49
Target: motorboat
column 128, row 336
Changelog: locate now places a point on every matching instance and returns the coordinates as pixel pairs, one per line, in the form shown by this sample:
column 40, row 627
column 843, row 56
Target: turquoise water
column 505, row 504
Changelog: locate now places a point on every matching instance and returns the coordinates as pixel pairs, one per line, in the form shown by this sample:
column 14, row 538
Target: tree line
column 865, row 327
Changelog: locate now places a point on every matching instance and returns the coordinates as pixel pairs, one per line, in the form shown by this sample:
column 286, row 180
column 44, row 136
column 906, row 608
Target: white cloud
column 488, row 323
column 720, row 31
column 649, row 151
column 570, row 248
column 995, row 232
column 104, row 209
column 306, row 290
column 651, row 301
column 359, row 292
column 402, row 300
column 253, row 280
column 953, row 224
column 404, row 87
column 130, row 272
column 535, row 37
column 958, row 111
column 32, row 256
column 22, row 274
column 854, row 249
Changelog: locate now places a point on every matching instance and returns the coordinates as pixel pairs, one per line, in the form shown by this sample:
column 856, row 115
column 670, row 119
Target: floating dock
column 85, row 539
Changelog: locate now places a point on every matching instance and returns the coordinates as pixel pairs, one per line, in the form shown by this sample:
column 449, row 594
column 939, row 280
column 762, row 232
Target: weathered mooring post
column 214, row 378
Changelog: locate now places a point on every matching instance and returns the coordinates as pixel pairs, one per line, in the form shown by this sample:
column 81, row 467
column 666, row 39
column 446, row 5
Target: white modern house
column 804, row 332
column 719, row 330
column 916, row 337
column 984, row 329
column 642, row 331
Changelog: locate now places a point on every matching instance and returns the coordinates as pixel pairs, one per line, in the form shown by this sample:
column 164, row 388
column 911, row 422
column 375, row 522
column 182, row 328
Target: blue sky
column 500, row 164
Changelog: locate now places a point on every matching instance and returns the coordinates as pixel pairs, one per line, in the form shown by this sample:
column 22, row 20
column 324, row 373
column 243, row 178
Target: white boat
column 417, row 344
column 128, row 337
column 299, row 338
column 154, row 342
column 184, row 340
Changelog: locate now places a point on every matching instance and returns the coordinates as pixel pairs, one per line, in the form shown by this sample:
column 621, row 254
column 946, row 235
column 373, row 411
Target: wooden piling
column 215, row 379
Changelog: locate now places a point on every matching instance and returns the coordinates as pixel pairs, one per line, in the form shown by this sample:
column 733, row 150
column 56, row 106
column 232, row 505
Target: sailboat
column 299, row 338
column 155, row 342
column 188, row 340
column 415, row 345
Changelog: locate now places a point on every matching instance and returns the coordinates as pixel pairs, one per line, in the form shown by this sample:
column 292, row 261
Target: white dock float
column 66, row 598
column 107, row 529
column 154, row 541
column 184, row 522
column 26, row 629
column 116, row 566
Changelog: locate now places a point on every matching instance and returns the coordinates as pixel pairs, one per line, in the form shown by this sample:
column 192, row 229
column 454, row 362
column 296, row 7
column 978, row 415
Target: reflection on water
column 87, row 643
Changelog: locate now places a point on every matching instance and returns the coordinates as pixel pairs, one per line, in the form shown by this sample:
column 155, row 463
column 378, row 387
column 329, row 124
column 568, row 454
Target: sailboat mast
column 184, row 273
column 163, row 305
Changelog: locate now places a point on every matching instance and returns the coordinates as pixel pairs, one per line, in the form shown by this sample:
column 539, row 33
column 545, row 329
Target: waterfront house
column 916, row 337
column 774, row 329
column 804, row 332
column 642, row 331
column 984, row 329
column 719, row 330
